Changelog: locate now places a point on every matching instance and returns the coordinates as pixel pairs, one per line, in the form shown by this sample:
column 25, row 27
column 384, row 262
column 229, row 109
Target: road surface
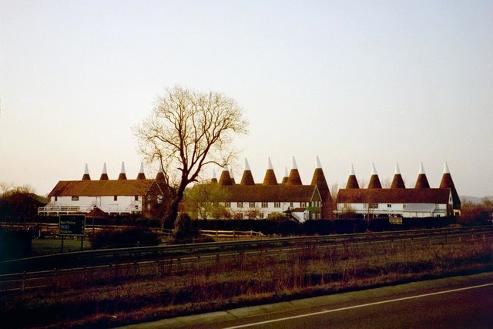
column 457, row 302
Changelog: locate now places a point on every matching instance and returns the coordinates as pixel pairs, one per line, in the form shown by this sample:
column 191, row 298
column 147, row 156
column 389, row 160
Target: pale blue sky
column 379, row 81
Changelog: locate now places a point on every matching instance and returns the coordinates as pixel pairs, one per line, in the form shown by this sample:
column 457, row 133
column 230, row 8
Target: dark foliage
column 186, row 230
column 133, row 237
column 20, row 206
column 14, row 244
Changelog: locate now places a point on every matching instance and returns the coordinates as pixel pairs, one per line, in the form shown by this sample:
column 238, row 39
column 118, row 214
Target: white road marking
column 359, row 306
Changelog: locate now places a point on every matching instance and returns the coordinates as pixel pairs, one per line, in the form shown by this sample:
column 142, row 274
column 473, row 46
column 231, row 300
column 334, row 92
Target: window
column 302, row 204
column 136, row 198
column 389, row 205
column 159, row 199
column 291, row 204
column 115, row 198
column 261, row 215
column 239, row 204
column 373, row 205
column 227, row 204
column 251, row 205
column 265, row 205
column 277, row 205
column 75, row 198
column 56, row 198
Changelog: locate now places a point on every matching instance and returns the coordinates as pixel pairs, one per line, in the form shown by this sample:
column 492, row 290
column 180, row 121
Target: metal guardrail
column 66, row 278
column 118, row 255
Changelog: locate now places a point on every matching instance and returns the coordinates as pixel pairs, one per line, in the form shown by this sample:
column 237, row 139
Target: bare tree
column 187, row 131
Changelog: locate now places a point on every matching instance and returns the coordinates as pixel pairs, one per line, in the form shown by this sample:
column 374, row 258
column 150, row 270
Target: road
column 457, row 302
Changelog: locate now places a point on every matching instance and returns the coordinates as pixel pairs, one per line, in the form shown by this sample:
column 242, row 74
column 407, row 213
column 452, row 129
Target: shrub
column 185, row 230
column 132, row 237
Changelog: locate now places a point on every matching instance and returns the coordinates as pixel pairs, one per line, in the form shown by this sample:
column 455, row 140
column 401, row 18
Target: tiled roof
column 352, row 182
column 225, row 178
column 447, row 182
column 270, row 177
column 294, row 177
column 432, row 195
column 397, row 182
column 247, row 178
column 422, row 181
column 102, row 188
column 319, row 180
column 374, row 182
column 268, row 193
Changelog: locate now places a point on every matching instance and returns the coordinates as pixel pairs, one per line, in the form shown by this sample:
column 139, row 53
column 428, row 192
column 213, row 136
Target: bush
column 186, row 230
column 132, row 237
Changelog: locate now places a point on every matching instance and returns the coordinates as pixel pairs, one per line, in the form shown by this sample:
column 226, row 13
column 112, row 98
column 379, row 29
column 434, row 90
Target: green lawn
column 52, row 246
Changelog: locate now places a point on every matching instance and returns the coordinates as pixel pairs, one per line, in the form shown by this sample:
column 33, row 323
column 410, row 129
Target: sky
column 350, row 81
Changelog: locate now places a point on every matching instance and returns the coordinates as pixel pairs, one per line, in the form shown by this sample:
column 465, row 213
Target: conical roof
column 160, row 174
column 141, row 174
column 318, row 178
column 285, row 178
column 247, row 177
column 352, row 181
column 214, row 178
column 122, row 175
column 397, row 181
column 225, row 178
column 270, row 176
column 294, row 176
column 86, row 175
column 104, row 173
column 447, row 182
column 422, row 180
column 374, row 180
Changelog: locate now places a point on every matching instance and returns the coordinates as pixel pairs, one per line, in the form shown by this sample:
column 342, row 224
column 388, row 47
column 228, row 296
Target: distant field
column 52, row 246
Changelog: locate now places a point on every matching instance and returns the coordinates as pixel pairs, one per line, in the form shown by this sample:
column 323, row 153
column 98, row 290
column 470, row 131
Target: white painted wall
column 403, row 209
column 123, row 204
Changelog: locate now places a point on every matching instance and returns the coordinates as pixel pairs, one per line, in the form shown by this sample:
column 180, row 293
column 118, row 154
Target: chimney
column 374, row 180
column 141, row 174
column 447, row 182
column 247, row 178
column 270, row 175
column 225, row 178
column 104, row 173
column 422, row 181
column 352, row 182
column 397, row 181
column 122, row 175
column 294, row 176
column 86, row 173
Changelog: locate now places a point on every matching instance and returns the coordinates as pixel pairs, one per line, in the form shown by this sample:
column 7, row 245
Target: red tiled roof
column 422, row 182
column 294, row 177
column 374, row 182
column 102, row 187
column 397, row 182
column 432, row 195
column 352, row 182
column 447, row 182
column 247, row 178
column 268, row 193
column 225, row 178
column 270, row 177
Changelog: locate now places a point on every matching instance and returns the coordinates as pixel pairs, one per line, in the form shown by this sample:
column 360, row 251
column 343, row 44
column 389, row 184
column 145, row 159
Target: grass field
column 52, row 246
column 107, row 297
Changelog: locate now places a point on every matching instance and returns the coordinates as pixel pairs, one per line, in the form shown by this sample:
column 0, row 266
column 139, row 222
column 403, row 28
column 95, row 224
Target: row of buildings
column 269, row 198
